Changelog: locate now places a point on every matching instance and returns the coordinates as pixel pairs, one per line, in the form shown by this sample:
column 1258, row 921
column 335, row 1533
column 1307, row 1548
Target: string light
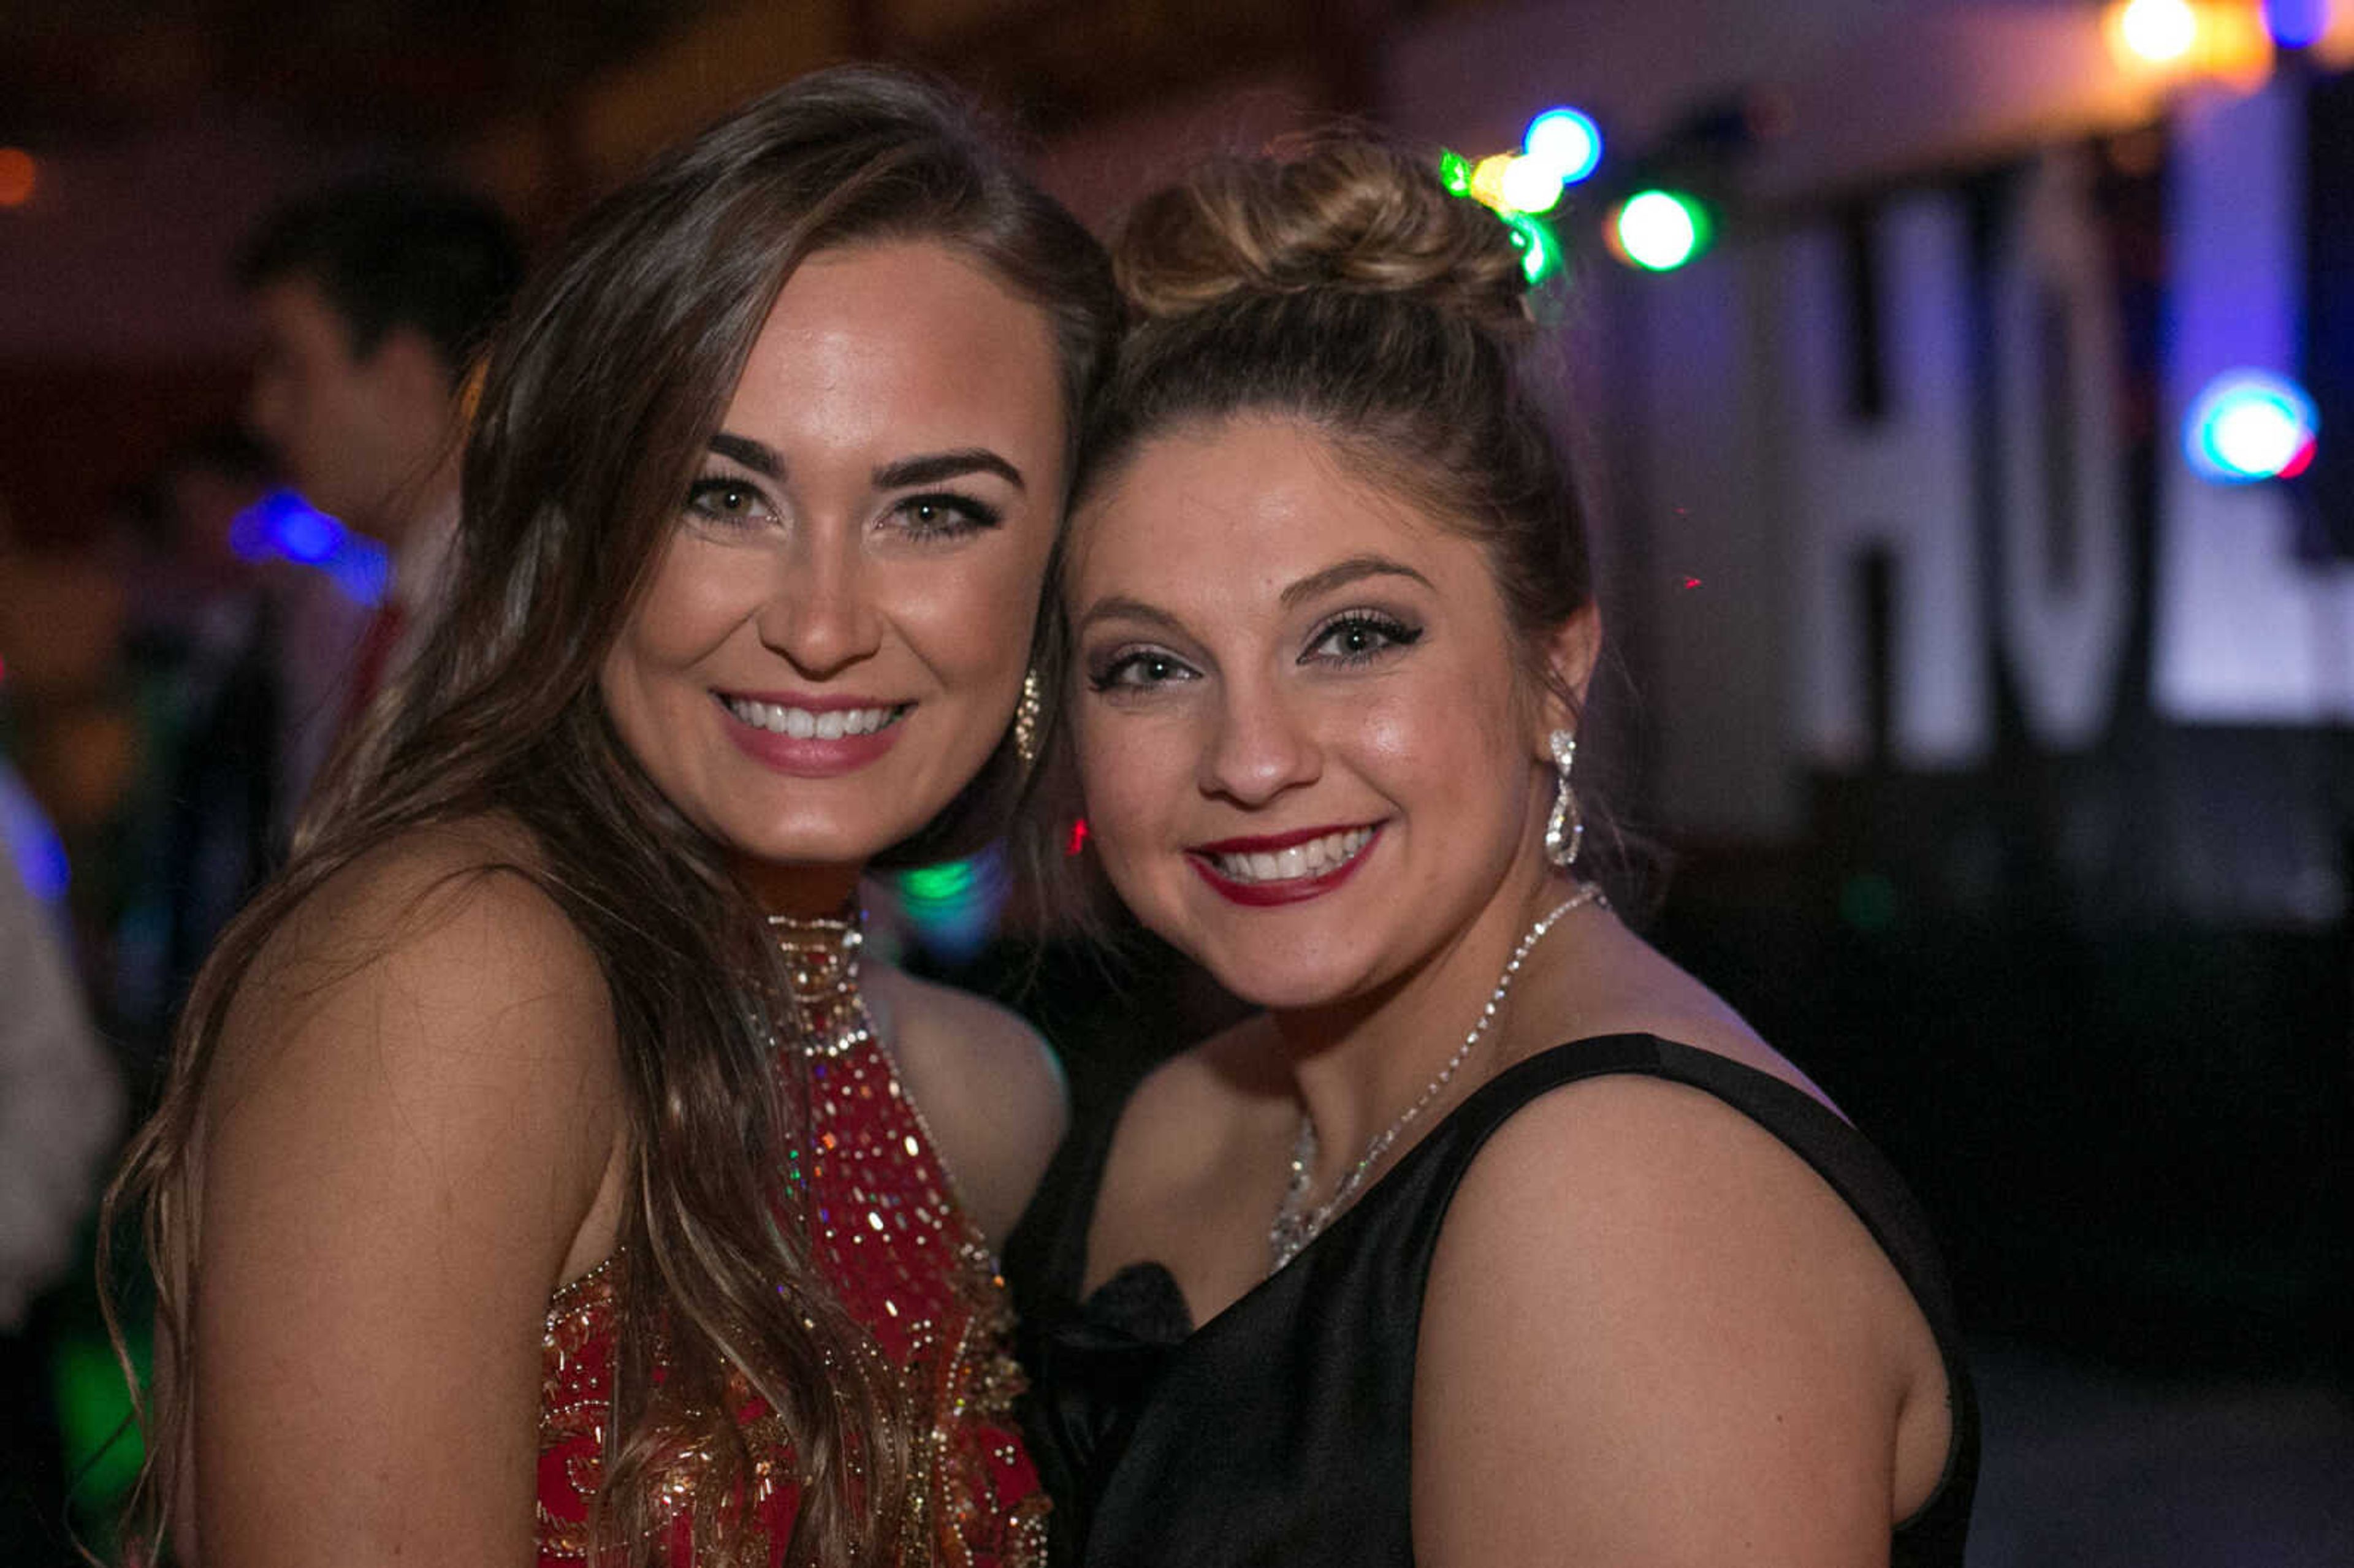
column 2156, row 32
column 1540, row 256
column 1529, row 187
column 1659, row 230
column 1487, row 178
column 1565, row 141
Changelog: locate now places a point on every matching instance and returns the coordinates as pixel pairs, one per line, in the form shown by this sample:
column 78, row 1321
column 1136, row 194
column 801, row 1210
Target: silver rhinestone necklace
column 1296, row 1225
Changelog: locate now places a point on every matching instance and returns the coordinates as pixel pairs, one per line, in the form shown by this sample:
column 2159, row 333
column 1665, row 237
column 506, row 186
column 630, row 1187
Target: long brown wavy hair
column 596, row 403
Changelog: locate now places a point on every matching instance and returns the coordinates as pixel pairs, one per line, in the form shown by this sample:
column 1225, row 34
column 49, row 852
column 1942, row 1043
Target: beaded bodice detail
column 887, row 1230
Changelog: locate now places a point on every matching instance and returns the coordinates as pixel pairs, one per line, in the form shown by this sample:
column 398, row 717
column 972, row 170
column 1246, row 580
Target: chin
column 1266, row 978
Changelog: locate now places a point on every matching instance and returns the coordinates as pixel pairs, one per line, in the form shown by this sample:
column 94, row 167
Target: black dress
column 1278, row 1433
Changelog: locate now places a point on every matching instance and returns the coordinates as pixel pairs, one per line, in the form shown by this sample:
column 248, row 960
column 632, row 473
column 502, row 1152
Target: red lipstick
column 1289, row 890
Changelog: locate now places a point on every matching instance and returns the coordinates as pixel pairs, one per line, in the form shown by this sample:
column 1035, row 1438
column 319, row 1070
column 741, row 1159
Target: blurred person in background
column 225, row 643
column 372, row 299
column 68, row 721
column 60, row 1109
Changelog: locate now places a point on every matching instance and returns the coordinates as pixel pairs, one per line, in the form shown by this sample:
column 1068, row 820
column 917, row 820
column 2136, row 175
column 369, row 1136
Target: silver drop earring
column 1565, row 829
column 1026, row 713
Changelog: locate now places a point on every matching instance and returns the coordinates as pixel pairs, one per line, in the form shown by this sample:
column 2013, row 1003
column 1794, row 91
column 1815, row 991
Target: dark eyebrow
column 757, row 456
column 1342, row 573
column 933, row 467
column 1119, row 607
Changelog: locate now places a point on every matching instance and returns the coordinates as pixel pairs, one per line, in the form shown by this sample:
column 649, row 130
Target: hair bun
column 1332, row 211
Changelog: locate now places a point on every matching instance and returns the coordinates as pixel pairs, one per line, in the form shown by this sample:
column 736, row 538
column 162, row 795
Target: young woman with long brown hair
column 1494, row 1237
column 540, row 1172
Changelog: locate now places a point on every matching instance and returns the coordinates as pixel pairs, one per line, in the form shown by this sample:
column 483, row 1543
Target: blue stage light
column 1564, row 142
column 2297, row 24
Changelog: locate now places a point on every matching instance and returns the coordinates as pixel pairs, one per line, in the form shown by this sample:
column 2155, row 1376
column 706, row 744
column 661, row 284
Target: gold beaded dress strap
column 824, row 1008
column 829, row 1016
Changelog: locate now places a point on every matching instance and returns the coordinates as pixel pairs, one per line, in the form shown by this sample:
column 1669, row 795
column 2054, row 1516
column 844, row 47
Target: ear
column 1570, row 650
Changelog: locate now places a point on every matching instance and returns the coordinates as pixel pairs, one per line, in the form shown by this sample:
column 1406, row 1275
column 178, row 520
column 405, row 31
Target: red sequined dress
column 902, row 1257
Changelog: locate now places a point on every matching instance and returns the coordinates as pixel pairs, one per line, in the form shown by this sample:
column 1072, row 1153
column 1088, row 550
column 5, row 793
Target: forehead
column 1230, row 514
column 903, row 343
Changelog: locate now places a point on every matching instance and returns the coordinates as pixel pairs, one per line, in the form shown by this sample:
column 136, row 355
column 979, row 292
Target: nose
column 820, row 611
column 1261, row 745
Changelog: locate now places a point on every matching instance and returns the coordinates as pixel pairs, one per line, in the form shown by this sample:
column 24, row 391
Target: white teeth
column 803, row 725
column 1313, row 858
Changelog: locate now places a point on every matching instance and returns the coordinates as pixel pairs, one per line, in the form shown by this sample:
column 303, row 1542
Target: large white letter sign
column 2061, row 506
column 1900, row 483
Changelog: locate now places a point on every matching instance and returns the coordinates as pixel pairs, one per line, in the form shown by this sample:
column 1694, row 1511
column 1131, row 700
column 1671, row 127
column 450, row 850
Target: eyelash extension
column 1397, row 634
column 1105, row 677
column 972, row 515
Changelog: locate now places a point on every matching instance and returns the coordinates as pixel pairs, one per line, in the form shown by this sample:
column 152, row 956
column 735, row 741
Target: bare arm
column 1653, row 1336
column 413, row 1112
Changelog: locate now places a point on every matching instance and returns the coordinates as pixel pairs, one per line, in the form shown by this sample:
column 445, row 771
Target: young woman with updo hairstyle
column 1493, row 1237
column 542, row 1176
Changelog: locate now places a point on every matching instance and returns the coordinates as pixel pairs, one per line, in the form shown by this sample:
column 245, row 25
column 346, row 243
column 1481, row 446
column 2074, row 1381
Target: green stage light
column 1660, row 230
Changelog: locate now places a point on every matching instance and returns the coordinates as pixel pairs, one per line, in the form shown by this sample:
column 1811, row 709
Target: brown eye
column 725, row 500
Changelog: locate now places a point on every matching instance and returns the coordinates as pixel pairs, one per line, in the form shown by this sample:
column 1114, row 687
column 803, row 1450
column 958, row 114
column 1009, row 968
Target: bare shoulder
column 1180, row 1113
column 1639, row 1294
column 413, row 1124
column 1615, row 982
column 1194, row 1160
column 438, row 940
column 989, row 1087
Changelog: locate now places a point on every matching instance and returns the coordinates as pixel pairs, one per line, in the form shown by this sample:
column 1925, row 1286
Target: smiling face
column 835, row 635
column 1311, row 755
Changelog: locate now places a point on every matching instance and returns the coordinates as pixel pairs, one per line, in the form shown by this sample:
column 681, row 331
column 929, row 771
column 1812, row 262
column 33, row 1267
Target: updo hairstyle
column 1335, row 280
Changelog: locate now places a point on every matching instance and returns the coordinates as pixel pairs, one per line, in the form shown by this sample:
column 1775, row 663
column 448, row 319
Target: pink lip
column 811, row 757
column 1268, row 894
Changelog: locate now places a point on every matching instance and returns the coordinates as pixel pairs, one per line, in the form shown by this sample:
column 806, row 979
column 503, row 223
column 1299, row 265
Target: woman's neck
column 1360, row 1063
column 804, row 892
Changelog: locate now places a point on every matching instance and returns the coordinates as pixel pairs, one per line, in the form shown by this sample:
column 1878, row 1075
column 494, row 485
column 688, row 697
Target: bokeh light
column 29, row 847
column 2249, row 426
column 2297, row 24
column 1565, row 141
column 2157, row 32
column 1487, row 178
column 1529, row 187
column 1541, row 252
column 282, row 525
column 1660, row 230
column 1454, row 172
column 20, row 176
column 952, row 907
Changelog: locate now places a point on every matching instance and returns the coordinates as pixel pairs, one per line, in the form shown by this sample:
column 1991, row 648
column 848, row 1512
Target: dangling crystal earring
column 1565, row 829
column 1026, row 715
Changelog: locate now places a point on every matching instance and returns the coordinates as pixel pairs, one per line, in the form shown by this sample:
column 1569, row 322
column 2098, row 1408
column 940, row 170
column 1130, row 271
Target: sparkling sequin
column 905, row 1260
